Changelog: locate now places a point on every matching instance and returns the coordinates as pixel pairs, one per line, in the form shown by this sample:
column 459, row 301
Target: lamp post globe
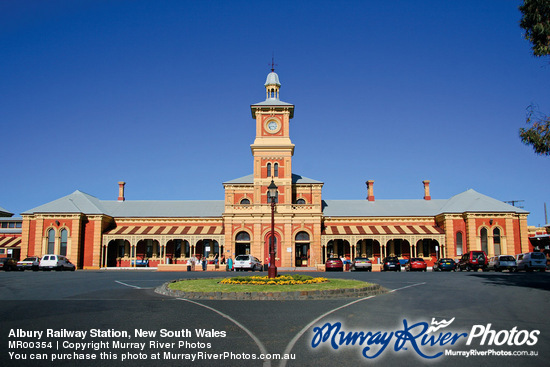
column 272, row 269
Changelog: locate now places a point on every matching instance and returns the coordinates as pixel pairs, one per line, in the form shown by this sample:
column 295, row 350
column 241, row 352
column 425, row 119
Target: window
column 63, row 247
column 243, row 236
column 245, row 201
column 276, row 170
column 269, row 170
column 458, row 243
column 483, row 234
column 51, row 241
column 302, row 236
column 496, row 240
column 300, row 201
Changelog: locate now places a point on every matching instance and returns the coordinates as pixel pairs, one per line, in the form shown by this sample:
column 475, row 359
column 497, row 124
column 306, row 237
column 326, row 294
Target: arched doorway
column 242, row 243
column 301, row 257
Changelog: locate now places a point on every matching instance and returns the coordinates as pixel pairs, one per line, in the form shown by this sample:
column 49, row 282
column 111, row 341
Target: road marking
column 263, row 350
column 128, row 285
column 290, row 345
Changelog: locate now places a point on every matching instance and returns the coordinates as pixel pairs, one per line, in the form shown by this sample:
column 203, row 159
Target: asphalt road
column 118, row 307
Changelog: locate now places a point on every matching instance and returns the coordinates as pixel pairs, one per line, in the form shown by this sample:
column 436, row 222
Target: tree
column 537, row 135
column 536, row 23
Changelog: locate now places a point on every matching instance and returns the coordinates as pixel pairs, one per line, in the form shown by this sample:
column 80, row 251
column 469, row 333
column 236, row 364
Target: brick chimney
column 121, row 191
column 427, row 190
column 370, row 190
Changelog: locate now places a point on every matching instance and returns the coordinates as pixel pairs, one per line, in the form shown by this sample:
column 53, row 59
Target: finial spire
column 273, row 63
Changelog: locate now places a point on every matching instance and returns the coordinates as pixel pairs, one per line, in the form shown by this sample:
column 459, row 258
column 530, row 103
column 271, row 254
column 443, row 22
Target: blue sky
column 158, row 94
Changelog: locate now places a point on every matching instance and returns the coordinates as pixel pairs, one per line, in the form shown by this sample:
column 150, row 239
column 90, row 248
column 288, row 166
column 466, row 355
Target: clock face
column 272, row 125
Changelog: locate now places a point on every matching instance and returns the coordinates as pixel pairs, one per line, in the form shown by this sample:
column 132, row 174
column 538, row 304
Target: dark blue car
column 445, row 264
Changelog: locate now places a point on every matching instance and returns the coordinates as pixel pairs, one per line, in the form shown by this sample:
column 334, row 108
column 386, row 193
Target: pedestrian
column 216, row 258
column 204, row 262
column 223, row 259
column 229, row 264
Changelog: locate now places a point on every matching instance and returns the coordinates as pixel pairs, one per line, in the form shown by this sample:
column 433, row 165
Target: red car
column 416, row 263
column 334, row 263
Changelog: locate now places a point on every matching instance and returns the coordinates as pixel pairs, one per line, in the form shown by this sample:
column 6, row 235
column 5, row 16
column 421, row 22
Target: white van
column 531, row 261
column 56, row 262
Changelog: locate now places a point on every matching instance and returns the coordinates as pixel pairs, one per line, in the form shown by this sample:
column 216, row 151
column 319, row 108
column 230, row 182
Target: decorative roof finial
column 273, row 63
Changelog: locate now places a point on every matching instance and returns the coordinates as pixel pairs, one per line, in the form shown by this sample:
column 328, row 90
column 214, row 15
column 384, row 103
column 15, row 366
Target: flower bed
column 280, row 280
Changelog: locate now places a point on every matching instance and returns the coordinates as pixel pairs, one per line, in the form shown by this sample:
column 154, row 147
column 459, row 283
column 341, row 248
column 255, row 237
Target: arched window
column 243, row 236
column 496, row 240
column 300, row 201
column 245, row 201
column 63, row 247
column 302, row 236
column 483, row 234
column 51, row 241
column 458, row 243
column 269, row 170
column 276, row 170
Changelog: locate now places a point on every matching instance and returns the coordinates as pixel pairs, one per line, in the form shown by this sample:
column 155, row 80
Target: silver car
column 247, row 262
column 502, row 262
column 361, row 263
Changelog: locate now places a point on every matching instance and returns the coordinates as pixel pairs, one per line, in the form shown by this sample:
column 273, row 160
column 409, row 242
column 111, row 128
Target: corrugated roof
column 4, row 212
column 79, row 202
column 468, row 201
column 472, row 201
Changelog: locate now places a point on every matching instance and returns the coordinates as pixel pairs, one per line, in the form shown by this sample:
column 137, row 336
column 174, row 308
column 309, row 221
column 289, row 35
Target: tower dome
column 272, row 79
column 272, row 85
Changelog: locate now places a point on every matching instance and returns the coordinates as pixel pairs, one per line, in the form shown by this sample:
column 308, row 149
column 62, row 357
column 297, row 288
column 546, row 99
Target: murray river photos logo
column 426, row 340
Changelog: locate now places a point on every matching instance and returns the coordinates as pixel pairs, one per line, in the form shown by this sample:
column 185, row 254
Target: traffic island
column 214, row 289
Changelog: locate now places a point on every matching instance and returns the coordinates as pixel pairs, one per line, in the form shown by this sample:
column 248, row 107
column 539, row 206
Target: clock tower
column 272, row 148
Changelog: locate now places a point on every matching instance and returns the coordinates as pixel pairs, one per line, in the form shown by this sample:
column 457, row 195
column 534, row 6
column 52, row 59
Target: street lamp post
column 272, row 270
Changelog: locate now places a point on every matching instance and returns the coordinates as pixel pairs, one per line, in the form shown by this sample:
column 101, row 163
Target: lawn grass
column 212, row 285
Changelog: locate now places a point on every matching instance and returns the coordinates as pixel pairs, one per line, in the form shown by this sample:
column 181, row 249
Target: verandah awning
column 384, row 230
column 10, row 242
column 166, row 230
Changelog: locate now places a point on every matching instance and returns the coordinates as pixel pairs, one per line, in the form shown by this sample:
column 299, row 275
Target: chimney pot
column 121, row 191
column 427, row 190
column 370, row 190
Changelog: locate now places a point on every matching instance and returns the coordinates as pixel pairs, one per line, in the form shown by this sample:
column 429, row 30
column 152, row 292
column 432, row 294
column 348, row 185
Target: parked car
column 247, row 262
column 334, row 263
column 416, row 263
column 56, row 262
column 361, row 263
column 531, row 261
column 502, row 262
column 32, row 262
column 391, row 263
column 473, row 260
column 444, row 264
column 8, row 263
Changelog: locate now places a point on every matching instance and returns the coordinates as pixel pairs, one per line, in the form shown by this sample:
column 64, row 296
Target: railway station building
column 97, row 233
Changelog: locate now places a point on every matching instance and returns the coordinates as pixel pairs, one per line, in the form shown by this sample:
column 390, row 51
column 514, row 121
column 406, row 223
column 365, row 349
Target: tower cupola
column 272, row 85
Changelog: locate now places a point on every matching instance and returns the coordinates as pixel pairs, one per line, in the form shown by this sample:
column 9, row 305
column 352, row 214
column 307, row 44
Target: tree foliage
column 536, row 23
column 538, row 135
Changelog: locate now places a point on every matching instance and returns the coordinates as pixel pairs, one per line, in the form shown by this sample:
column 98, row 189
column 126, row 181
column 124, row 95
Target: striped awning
column 10, row 242
column 384, row 230
column 166, row 230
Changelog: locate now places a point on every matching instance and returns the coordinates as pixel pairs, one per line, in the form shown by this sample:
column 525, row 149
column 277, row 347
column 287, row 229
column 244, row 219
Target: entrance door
column 302, row 252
